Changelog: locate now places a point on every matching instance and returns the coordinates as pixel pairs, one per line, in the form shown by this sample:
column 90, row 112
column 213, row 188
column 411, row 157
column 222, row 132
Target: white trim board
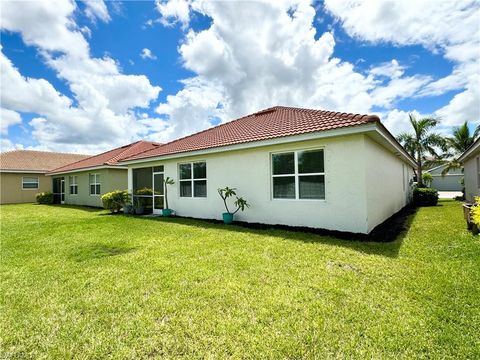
column 88, row 169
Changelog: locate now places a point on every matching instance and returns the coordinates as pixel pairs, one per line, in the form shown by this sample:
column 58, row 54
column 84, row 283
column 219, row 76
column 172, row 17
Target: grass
column 78, row 283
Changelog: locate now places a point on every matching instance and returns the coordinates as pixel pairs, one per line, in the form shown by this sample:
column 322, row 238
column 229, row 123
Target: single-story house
column 84, row 182
column 471, row 170
column 22, row 173
column 451, row 181
column 297, row 167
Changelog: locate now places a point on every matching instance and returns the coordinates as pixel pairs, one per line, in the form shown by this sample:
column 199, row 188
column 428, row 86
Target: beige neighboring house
column 22, row 173
column 471, row 170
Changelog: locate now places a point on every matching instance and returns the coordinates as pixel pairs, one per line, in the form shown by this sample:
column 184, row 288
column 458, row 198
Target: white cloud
column 104, row 112
column 443, row 26
column 174, row 11
column 464, row 106
column 397, row 121
column 256, row 56
column 398, row 88
column 7, row 119
column 268, row 53
column 96, row 9
column 8, row 145
column 147, row 54
column 390, row 69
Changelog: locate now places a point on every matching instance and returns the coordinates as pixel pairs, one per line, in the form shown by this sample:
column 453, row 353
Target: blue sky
column 199, row 71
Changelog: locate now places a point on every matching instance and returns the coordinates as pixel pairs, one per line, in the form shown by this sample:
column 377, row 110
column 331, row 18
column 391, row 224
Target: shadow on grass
column 76, row 207
column 99, row 251
column 386, row 239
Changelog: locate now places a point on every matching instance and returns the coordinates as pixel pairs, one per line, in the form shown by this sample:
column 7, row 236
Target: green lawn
column 78, row 283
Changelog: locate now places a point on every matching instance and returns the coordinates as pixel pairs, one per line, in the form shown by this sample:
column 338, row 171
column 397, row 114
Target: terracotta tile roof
column 39, row 161
column 109, row 158
column 275, row 122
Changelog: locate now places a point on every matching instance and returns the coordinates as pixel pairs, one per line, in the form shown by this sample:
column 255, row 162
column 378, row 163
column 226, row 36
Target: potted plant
column 240, row 203
column 128, row 206
column 140, row 202
column 167, row 211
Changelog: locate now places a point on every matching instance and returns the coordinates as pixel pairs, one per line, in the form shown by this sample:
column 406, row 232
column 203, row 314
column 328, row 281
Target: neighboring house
column 22, row 173
column 471, row 170
column 295, row 167
column 84, row 181
column 451, row 181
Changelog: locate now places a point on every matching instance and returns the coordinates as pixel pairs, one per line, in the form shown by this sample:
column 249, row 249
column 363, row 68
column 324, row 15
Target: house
column 451, row 181
column 84, row 181
column 471, row 170
column 297, row 167
column 22, row 173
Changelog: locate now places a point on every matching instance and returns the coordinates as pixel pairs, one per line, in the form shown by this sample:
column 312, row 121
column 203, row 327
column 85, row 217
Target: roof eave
column 52, row 173
column 469, row 151
column 23, row 171
column 371, row 126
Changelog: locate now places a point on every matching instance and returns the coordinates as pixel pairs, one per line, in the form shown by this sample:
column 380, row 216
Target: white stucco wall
column 470, row 176
column 345, row 208
column 249, row 171
column 385, row 190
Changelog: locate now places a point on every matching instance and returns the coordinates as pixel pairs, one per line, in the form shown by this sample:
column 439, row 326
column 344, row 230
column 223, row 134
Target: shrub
column 45, row 198
column 115, row 200
column 425, row 196
column 475, row 212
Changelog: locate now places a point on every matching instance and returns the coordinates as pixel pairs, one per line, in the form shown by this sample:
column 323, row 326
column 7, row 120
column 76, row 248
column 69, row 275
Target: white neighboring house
column 297, row 167
column 471, row 170
column 451, row 181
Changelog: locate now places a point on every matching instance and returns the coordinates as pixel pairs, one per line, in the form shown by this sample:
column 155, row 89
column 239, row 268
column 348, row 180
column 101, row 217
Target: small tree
column 422, row 142
column 168, row 181
column 427, row 179
column 240, row 202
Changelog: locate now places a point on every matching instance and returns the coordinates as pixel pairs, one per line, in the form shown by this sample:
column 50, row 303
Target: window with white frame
column 298, row 175
column 193, row 179
column 94, row 184
column 73, row 183
column 29, row 183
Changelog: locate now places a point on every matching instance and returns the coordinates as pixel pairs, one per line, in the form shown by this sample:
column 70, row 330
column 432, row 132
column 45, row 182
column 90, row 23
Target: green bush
column 425, row 196
column 45, row 198
column 115, row 200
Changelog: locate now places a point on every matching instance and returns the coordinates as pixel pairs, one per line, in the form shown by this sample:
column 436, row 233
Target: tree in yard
column 422, row 142
column 461, row 140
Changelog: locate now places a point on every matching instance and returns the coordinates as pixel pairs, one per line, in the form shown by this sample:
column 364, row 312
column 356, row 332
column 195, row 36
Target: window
column 29, row 183
column 298, row 175
column 193, row 179
column 72, row 180
column 94, row 184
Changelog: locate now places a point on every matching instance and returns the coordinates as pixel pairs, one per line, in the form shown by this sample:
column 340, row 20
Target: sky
column 88, row 76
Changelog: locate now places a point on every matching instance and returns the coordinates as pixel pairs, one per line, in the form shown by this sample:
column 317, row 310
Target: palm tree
column 422, row 142
column 461, row 140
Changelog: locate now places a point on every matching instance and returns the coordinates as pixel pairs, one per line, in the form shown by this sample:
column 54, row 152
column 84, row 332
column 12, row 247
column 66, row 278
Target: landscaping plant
column 140, row 203
column 427, row 179
column 167, row 211
column 240, row 203
column 115, row 200
column 423, row 196
column 45, row 198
